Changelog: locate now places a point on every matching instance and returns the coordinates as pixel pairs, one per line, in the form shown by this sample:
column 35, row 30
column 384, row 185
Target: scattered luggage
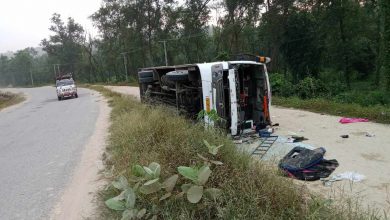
column 305, row 164
column 352, row 120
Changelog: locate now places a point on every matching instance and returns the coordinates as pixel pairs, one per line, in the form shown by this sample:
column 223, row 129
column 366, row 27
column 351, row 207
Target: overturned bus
column 238, row 91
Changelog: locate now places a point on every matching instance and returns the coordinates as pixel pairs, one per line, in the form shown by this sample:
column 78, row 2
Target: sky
column 24, row 23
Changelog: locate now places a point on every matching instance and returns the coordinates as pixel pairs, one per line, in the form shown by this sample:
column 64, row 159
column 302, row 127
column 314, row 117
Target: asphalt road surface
column 41, row 142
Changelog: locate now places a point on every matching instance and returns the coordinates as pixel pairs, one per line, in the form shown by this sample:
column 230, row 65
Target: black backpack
column 306, row 164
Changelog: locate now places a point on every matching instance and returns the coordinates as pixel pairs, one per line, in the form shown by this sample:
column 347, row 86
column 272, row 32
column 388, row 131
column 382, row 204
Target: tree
column 271, row 31
column 194, row 17
column 385, row 39
column 300, row 47
column 65, row 46
column 318, row 38
column 239, row 15
column 5, row 75
column 20, row 67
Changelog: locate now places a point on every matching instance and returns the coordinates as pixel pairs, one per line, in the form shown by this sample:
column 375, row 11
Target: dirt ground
column 369, row 156
column 365, row 155
column 128, row 90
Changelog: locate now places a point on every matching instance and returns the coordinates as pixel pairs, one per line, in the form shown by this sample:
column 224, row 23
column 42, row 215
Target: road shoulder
column 21, row 99
column 77, row 201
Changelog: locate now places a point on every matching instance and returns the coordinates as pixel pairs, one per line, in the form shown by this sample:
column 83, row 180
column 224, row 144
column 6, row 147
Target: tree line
column 343, row 41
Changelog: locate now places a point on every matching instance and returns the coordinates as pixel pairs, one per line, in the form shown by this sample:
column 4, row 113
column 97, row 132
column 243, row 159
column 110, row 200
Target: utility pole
column 31, row 76
column 165, row 51
column 125, row 63
column 55, row 74
column 58, row 69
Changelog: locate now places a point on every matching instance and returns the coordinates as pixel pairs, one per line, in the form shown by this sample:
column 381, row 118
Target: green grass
column 8, row 99
column 140, row 134
column 377, row 113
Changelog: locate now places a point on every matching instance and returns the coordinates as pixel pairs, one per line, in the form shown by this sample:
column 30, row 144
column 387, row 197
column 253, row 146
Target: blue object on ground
column 264, row 133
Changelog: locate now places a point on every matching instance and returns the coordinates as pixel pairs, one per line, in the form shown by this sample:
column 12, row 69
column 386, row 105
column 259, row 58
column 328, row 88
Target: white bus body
column 238, row 91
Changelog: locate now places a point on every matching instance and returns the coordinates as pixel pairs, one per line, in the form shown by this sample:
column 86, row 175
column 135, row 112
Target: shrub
column 334, row 88
column 364, row 98
column 280, row 85
column 310, row 87
column 375, row 113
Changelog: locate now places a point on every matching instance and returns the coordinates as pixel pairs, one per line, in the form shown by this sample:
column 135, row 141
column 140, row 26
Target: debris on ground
column 344, row 136
column 266, row 132
column 369, row 135
column 328, row 181
column 352, row 176
column 248, row 137
column 295, row 139
column 237, row 141
column 352, row 120
column 290, row 140
column 298, row 138
column 305, row 164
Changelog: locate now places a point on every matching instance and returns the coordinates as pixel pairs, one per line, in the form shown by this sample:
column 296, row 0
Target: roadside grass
column 141, row 134
column 8, row 99
column 377, row 113
column 120, row 83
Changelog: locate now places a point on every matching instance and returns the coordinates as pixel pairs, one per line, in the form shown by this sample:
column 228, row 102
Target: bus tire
column 177, row 76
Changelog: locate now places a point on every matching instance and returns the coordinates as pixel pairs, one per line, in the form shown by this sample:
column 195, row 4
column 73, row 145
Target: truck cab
column 237, row 91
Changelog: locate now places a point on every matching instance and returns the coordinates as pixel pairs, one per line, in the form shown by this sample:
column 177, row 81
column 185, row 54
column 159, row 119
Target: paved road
column 40, row 144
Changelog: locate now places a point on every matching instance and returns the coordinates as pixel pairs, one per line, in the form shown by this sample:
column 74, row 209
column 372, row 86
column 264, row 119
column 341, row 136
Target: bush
column 364, row 98
column 307, row 88
column 334, row 88
column 379, row 97
column 330, row 87
column 280, row 85
column 377, row 113
column 310, row 87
